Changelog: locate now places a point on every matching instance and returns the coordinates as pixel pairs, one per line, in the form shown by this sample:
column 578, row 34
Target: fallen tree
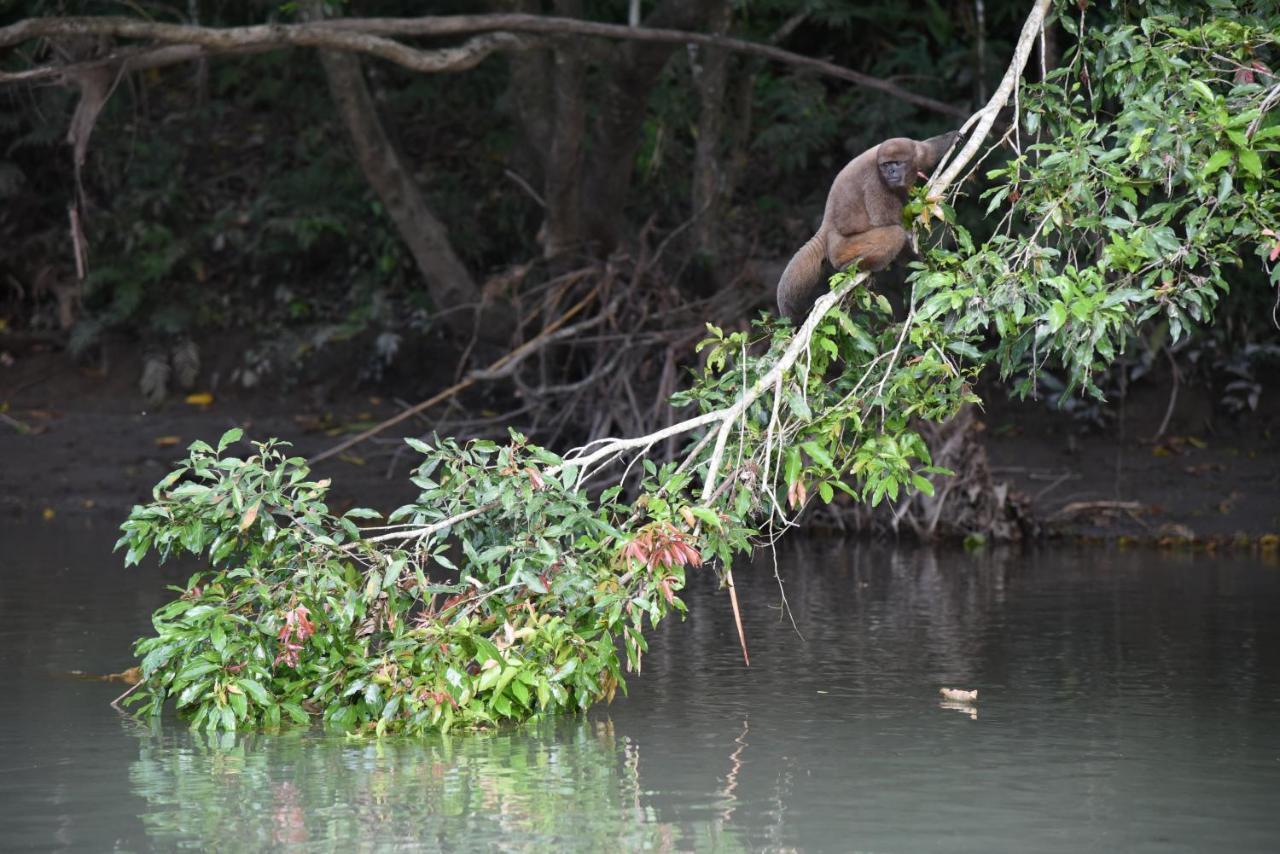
column 501, row 591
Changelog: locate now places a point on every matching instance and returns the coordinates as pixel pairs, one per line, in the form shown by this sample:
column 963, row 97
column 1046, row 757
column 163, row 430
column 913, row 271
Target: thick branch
column 368, row 35
column 448, row 281
column 316, row 34
column 986, row 117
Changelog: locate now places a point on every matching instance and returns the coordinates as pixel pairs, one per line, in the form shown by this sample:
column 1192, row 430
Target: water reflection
column 960, row 706
column 557, row 785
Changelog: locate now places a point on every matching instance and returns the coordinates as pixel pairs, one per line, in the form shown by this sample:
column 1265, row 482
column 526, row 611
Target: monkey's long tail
column 798, row 287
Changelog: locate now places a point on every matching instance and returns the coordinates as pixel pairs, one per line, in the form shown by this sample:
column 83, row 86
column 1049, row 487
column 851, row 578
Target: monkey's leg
column 873, row 250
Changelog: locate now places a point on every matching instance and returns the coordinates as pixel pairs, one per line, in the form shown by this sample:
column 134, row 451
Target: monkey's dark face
column 896, row 161
column 896, row 173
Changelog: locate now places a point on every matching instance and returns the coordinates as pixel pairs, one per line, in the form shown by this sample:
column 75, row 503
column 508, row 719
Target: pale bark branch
column 214, row 40
column 371, row 36
column 986, row 117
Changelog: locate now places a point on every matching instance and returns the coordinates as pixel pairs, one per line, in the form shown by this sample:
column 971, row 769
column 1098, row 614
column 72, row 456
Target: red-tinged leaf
column 304, row 627
column 1275, row 252
column 535, row 478
column 665, row 584
column 797, row 494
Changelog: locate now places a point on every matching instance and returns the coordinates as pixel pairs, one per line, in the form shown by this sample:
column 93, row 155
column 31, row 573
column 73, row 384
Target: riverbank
column 77, row 442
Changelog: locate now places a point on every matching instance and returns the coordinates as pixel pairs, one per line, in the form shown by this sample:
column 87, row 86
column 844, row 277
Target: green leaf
column 1250, row 162
column 1219, row 159
column 819, row 455
column 798, row 404
column 362, row 513
column 196, row 669
column 793, row 466
column 708, row 516
column 1202, row 89
column 255, row 690
column 393, row 572
column 295, row 712
column 488, row 678
column 191, row 692
column 1057, row 316
column 229, row 438
column 508, row 673
column 923, row 484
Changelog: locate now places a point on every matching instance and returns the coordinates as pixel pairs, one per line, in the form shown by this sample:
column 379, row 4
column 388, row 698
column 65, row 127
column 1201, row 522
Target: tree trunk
column 563, row 171
column 616, row 135
column 711, row 77
column 448, row 282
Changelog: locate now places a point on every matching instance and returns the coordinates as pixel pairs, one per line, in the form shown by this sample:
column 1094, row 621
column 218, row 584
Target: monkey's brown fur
column 863, row 218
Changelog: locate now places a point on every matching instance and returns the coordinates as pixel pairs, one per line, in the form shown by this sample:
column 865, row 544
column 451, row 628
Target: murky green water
column 1128, row 703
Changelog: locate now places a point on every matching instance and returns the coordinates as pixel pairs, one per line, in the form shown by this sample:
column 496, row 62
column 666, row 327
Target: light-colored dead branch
column 376, row 37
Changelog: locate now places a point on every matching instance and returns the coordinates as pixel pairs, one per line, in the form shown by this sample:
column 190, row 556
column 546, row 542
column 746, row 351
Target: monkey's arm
column 932, row 149
column 873, row 249
column 847, row 208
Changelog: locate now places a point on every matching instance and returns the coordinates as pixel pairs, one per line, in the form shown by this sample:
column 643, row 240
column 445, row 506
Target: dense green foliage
column 303, row 611
column 1146, row 171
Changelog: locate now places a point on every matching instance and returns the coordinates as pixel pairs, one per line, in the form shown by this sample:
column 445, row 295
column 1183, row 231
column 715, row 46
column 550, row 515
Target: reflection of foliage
column 565, row 785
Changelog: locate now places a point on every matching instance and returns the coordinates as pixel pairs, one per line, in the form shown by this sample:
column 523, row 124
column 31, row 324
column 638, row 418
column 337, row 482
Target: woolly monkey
column 863, row 219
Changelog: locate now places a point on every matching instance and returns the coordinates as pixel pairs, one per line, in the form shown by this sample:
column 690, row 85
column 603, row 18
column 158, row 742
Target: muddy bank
column 1207, row 477
column 76, row 442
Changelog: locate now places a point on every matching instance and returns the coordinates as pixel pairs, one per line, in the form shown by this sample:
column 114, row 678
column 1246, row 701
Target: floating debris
column 959, row 695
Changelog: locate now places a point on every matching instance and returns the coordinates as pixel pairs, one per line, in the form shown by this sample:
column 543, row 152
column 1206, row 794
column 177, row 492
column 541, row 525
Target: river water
column 1128, row 702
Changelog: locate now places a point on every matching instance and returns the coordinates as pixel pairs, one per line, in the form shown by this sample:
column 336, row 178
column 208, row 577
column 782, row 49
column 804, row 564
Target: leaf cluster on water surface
column 507, row 603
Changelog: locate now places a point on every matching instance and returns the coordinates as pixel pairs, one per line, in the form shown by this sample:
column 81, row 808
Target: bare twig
column 498, row 369
column 1176, row 377
column 115, row 704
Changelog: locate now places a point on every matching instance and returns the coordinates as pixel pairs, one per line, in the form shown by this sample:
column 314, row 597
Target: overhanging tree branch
column 373, row 36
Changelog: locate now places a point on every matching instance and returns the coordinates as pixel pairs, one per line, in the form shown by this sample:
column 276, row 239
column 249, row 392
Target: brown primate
column 863, row 219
